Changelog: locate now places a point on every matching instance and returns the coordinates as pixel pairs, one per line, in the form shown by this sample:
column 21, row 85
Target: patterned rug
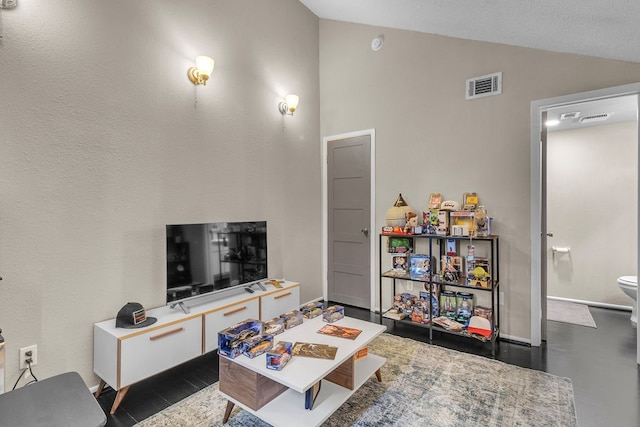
column 423, row 385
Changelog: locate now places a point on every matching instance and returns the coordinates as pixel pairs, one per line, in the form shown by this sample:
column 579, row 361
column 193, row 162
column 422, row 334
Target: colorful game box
column 313, row 309
column 279, row 355
column 273, row 326
column 430, row 221
column 292, row 319
column 448, row 304
column 478, row 272
column 451, row 268
column 257, row 345
column 333, row 313
column 399, row 245
column 230, row 340
column 420, row 267
column 465, row 307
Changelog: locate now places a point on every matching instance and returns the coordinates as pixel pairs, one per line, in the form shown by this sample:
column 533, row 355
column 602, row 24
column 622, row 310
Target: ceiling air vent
column 595, row 118
column 489, row 85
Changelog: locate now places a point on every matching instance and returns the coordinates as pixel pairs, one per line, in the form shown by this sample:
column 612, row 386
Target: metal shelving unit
column 460, row 284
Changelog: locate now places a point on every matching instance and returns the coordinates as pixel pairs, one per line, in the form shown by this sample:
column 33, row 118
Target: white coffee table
column 278, row 397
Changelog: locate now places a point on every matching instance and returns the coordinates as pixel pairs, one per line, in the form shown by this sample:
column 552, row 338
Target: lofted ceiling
column 605, row 29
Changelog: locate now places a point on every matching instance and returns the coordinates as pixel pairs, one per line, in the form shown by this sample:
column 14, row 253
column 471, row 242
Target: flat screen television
column 214, row 257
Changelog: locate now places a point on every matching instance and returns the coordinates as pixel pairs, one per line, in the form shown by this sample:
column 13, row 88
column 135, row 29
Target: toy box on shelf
column 230, row 340
column 420, row 267
column 478, row 272
column 279, row 355
column 464, row 302
column 399, row 245
column 448, row 304
column 451, row 268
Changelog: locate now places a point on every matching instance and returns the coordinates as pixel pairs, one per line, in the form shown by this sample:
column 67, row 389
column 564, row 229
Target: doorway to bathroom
column 591, row 194
column 557, row 158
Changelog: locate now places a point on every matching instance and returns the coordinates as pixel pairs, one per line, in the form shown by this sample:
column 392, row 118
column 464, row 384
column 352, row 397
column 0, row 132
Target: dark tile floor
column 600, row 362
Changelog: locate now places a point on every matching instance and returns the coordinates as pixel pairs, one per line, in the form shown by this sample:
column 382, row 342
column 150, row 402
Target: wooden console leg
column 227, row 411
column 119, row 396
column 100, row 388
column 379, row 375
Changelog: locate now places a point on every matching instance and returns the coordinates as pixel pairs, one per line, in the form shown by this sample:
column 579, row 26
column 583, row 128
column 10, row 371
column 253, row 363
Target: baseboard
column 593, row 303
column 515, row 340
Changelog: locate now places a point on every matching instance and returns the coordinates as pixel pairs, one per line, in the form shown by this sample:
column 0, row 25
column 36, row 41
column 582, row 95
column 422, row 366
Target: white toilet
column 629, row 284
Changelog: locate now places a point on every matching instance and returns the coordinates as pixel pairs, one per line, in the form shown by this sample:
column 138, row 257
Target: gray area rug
column 423, row 385
column 570, row 312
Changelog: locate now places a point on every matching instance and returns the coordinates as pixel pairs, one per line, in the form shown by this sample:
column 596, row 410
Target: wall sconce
column 289, row 105
column 201, row 72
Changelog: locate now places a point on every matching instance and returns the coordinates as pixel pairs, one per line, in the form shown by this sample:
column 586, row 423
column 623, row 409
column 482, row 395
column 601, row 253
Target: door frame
column 325, row 206
column 538, row 196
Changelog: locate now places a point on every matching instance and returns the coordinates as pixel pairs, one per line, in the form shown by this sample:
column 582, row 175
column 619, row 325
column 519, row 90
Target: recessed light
column 552, row 122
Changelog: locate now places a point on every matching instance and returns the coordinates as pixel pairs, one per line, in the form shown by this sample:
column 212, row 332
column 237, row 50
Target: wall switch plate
column 409, row 286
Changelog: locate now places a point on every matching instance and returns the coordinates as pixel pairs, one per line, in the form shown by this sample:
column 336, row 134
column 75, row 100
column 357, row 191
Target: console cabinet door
column 224, row 317
column 149, row 353
column 273, row 305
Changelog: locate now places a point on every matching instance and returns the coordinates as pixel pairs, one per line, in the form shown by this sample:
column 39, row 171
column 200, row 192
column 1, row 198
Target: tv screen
column 213, row 257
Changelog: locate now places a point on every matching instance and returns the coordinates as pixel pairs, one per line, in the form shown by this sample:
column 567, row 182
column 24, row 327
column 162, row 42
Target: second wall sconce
column 289, row 105
column 201, row 72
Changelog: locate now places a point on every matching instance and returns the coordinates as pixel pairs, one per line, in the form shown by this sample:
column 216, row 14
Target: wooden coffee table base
column 297, row 395
column 253, row 391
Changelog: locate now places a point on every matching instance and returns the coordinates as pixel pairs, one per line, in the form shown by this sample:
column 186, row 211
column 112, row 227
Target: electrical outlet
column 409, row 286
column 501, row 298
column 33, row 351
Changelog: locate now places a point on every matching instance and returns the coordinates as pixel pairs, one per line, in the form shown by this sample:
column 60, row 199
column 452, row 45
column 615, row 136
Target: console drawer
column 154, row 351
column 224, row 317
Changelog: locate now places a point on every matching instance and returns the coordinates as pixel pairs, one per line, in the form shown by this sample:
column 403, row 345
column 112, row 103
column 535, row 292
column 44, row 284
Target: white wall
column 592, row 208
column 102, row 143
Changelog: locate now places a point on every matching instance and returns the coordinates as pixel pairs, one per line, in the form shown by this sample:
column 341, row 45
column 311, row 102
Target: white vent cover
column 489, row 85
column 595, row 118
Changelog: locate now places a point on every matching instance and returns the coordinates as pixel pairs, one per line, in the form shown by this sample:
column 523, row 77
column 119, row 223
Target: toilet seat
column 630, row 281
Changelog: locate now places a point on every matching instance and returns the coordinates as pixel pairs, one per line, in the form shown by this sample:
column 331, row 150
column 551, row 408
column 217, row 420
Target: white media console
column 122, row 357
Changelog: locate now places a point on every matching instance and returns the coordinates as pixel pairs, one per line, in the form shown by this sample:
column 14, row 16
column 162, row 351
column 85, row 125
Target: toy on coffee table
column 257, row 345
column 279, row 355
column 312, row 309
column 231, row 339
column 292, row 318
column 333, row 313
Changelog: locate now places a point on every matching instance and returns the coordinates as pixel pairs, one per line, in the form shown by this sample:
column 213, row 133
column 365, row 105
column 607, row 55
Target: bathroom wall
column 592, row 209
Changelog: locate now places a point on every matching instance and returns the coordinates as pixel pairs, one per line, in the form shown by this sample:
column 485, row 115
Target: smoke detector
column 376, row 44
